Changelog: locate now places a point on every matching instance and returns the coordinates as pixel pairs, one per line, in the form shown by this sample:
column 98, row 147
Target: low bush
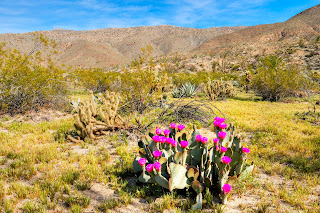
column 274, row 79
column 29, row 82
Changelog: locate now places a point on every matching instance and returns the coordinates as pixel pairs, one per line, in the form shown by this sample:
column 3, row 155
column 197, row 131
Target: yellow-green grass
column 43, row 171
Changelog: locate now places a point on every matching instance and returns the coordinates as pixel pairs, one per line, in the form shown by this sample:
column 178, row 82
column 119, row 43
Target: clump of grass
column 82, row 201
column 32, row 207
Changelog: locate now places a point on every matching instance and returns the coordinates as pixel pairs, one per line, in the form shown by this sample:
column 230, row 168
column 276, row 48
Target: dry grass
column 40, row 172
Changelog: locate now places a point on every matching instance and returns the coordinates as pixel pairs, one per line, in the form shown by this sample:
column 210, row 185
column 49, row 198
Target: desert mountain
column 303, row 25
column 111, row 46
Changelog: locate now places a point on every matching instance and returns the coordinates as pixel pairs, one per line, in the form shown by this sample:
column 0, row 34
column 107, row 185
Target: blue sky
column 18, row 16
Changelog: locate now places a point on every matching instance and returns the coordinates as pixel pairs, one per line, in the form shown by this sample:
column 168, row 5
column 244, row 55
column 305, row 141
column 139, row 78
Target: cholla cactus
column 94, row 116
column 218, row 89
column 177, row 159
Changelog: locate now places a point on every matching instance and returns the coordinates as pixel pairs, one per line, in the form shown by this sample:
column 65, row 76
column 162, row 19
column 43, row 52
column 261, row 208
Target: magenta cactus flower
column 245, row 150
column 158, row 131
column 157, row 166
column 142, row 161
column 204, row 140
column 169, row 140
column 215, row 140
column 174, row 143
column 223, row 126
column 156, row 138
column 163, row 139
column 223, row 149
column 149, row 168
column 226, row 159
column 184, row 144
column 220, row 120
column 222, row 135
column 166, row 132
column 142, row 99
column 199, row 138
column 226, row 188
column 181, row 127
column 216, row 123
column 157, row 154
column 173, row 125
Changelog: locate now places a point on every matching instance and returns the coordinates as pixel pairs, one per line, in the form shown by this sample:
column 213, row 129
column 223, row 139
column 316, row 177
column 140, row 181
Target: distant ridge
column 112, row 46
column 302, row 25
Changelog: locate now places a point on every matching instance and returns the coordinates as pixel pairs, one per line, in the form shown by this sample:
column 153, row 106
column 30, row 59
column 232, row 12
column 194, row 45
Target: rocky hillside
column 304, row 25
column 105, row 47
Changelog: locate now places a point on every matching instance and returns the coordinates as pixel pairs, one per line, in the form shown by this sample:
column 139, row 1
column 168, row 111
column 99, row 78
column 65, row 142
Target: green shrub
column 29, row 82
column 274, row 79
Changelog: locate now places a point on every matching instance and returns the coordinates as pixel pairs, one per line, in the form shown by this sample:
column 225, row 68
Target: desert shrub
column 142, row 85
column 274, row 79
column 181, row 78
column 218, row 89
column 29, row 82
column 95, row 79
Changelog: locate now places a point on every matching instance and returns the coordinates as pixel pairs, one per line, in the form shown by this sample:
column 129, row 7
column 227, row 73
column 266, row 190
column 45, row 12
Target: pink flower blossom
column 173, row 125
column 156, row 138
column 216, row 123
column 166, row 132
column 245, row 150
column 184, row 144
column 157, row 154
column 217, row 148
column 181, row 127
column 142, row 99
column 142, row 161
column 223, row 149
column 199, row 138
column 223, row 126
column 226, row 188
column 174, row 143
column 226, row 159
column 157, row 166
column 222, row 135
column 149, row 168
column 220, row 120
column 158, row 131
column 163, row 139
column 204, row 140
column 215, row 140
column 169, row 140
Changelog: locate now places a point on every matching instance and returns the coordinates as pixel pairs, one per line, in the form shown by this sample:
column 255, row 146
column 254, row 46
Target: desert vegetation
column 212, row 133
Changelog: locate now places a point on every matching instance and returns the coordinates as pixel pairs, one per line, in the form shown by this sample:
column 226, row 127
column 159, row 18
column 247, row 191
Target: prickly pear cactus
column 176, row 158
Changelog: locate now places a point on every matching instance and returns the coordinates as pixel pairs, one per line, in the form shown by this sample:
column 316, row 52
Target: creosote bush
column 274, row 79
column 29, row 82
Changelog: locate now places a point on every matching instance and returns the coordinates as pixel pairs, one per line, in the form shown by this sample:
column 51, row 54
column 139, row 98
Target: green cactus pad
column 178, row 179
column 162, row 181
column 178, row 157
column 136, row 165
column 190, row 173
column 246, row 172
column 197, row 186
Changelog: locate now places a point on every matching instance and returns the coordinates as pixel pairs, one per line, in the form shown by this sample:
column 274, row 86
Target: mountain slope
column 105, row 47
column 304, row 24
